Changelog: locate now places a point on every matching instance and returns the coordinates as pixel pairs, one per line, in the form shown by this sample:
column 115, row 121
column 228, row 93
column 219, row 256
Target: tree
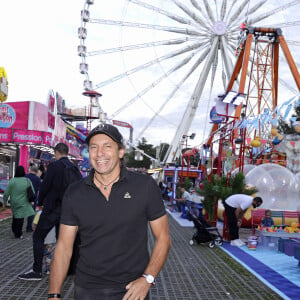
column 146, row 162
column 287, row 128
column 220, row 187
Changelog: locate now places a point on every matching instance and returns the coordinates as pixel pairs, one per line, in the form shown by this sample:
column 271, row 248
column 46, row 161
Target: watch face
column 149, row 278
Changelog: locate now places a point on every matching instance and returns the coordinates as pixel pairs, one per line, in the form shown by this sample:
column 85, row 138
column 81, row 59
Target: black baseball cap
column 107, row 129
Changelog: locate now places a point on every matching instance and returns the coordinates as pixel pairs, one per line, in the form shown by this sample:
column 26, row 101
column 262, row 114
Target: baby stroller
column 204, row 233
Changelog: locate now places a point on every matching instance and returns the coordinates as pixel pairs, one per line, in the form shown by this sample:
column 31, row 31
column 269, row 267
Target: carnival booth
column 28, row 132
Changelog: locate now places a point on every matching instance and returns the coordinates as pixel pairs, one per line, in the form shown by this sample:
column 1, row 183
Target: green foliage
column 287, row 128
column 220, row 187
column 146, row 162
column 187, row 183
column 149, row 149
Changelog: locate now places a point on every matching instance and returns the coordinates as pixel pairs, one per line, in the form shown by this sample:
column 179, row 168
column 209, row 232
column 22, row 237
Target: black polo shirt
column 113, row 233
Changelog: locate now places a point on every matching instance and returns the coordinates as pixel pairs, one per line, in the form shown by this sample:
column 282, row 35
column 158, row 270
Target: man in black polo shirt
column 111, row 209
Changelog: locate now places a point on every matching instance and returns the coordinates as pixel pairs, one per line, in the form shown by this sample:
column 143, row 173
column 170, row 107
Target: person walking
column 50, row 190
column 36, row 183
column 16, row 191
column 235, row 208
column 111, row 209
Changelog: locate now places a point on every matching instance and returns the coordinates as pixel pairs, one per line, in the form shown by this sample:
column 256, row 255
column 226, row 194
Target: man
column 51, row 204
column 180, row 202
column 36, row 182
column 196, row 203
column 111, row 209
column 235, row 207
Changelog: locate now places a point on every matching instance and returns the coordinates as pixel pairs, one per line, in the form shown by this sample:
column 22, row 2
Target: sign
column 121, row 124
column 27, row 136
column 7, row 116
column 5, row 135
column 187, row 174
column 47, row 138
column 214, row 117
column 14, row 114
column 8, row 135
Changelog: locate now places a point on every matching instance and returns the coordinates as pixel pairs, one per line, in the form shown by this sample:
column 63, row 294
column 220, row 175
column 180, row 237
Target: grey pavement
column 191, row 272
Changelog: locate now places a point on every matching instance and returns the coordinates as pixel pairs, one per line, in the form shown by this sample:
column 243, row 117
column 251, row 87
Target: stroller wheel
column 211, row 244
column 219, row 242
column 191, row 242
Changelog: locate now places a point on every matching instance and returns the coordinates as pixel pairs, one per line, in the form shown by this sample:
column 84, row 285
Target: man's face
column 105, row 154
column 256, row 204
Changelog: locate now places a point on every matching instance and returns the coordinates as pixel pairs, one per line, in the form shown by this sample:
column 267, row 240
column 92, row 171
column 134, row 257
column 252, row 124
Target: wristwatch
column 149, row 278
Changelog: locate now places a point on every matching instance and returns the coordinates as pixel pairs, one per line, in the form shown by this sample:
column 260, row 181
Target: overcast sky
column 39, row 52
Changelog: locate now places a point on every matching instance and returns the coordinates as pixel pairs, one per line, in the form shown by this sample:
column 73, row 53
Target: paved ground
column 191, row 272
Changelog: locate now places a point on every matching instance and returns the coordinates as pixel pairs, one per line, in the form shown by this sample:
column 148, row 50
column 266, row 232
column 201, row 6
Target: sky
column 39, row 52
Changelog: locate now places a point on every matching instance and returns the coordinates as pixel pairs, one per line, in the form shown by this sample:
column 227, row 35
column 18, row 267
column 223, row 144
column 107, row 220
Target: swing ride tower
column 256, row 71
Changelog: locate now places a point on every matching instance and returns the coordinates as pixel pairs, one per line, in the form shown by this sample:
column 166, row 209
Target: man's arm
column 46, row 184
column 239, row 215
column 61, row 259
column 139, row 288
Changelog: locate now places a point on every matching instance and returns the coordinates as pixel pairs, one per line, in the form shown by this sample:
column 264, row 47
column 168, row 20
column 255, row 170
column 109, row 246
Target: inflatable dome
column 278, row 187
column 246, row 170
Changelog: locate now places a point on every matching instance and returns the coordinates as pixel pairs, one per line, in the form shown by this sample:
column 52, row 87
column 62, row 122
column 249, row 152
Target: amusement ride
column 165, row 64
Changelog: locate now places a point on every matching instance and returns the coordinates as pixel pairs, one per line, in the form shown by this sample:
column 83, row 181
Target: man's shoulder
column 134, row 175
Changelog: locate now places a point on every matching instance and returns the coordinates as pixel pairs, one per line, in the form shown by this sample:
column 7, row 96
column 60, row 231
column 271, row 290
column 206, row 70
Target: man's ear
column 121, row 152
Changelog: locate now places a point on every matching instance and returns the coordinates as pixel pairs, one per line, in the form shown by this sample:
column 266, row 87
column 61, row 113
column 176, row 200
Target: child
column 267, row 221
column 49, row 243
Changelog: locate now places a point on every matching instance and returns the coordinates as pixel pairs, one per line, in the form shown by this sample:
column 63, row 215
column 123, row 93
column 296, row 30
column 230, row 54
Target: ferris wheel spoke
column 153, row 84
column 238, row 11
column 294, row 43
column 209, row 11
column 272, row 12
column 230, row 9
column 214, row 68
column 149, row 63
column 223, row 9
column 226, row 57
column 254, row 8
column 201, row 21
column 190, row 13
column 287, row 24
column 190, row 110
column 217, row 10
column 163, row 12
column 194, row 67
column 283, row 59
column 139, row 46
column 185, row 31
column 285, row 84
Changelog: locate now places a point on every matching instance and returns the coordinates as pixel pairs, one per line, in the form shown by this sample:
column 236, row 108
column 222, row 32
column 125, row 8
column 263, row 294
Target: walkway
column 191, row 272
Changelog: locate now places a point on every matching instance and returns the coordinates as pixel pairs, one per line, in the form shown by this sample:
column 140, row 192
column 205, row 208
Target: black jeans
column 45, row 224
column 232, row 222
column 30, row 219
column 100, row 294
column 16, row 226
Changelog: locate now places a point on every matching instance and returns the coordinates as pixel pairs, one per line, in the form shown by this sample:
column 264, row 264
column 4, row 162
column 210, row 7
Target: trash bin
column 252, row 242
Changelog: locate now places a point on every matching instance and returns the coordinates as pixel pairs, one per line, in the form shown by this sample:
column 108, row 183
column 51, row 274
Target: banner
column 23, row 136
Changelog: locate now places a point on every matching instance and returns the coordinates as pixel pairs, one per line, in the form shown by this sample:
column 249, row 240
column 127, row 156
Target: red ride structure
column 256, row 76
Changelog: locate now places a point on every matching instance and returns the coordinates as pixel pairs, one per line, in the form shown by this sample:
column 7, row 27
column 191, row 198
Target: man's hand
column 137, row 289
column 239, row 223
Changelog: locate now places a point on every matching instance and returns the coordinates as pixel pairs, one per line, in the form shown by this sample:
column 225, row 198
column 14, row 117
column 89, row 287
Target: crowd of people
column 106, row 215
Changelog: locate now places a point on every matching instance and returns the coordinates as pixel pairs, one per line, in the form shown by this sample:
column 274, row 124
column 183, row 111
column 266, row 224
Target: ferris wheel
column 160, row 64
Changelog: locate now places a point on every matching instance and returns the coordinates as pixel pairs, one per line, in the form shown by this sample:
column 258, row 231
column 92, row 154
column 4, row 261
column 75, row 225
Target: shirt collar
column 123, row 175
